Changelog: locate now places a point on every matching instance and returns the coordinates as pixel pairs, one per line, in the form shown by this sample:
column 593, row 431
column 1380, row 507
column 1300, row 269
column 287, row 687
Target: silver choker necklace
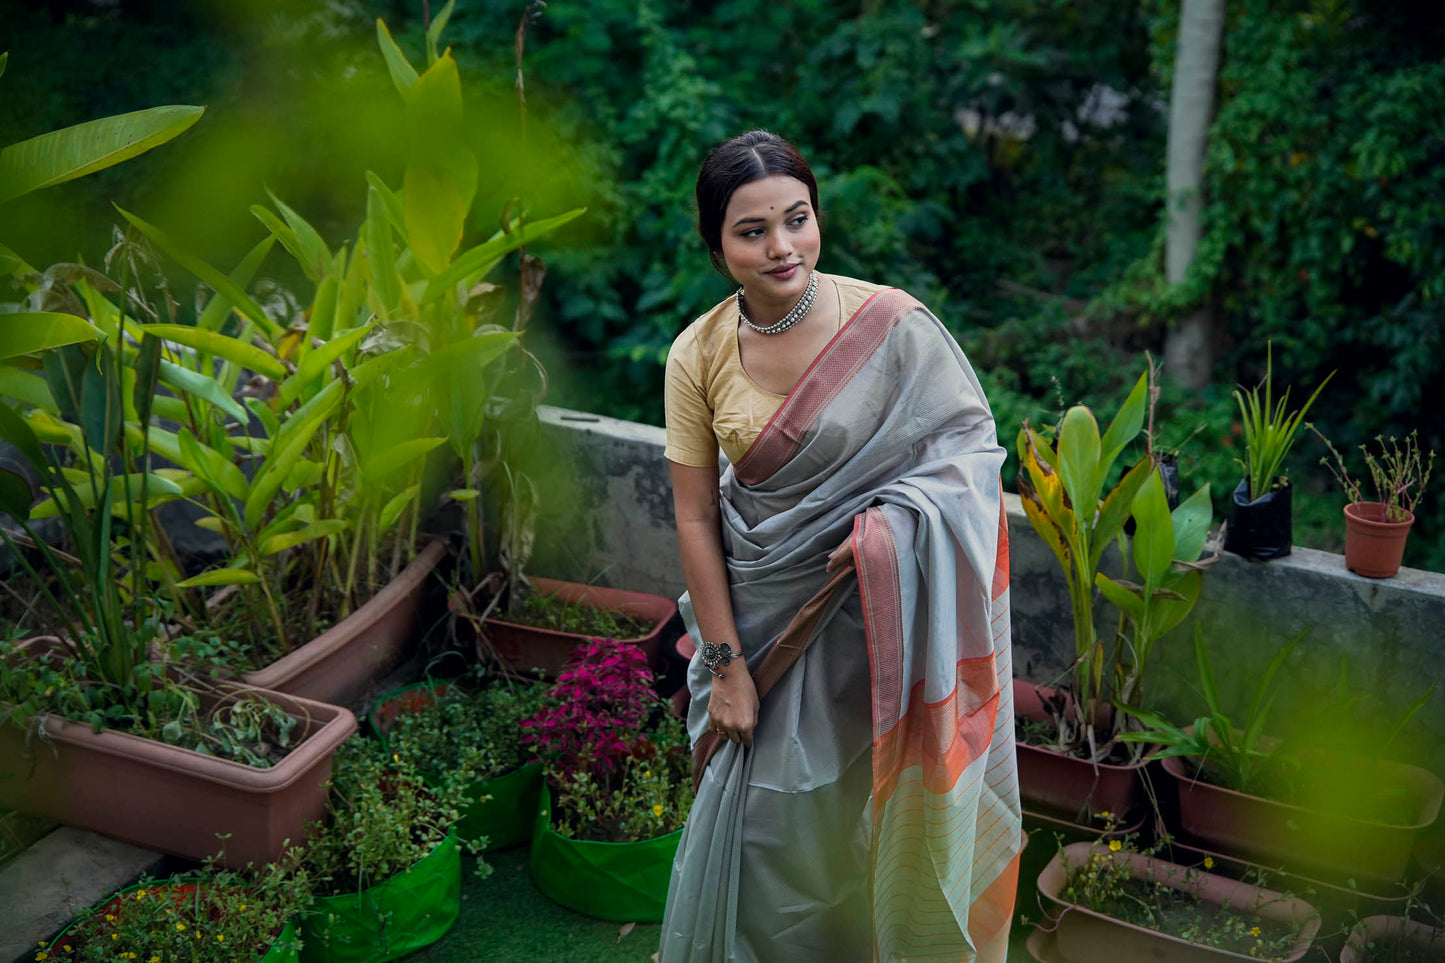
column 799, row 311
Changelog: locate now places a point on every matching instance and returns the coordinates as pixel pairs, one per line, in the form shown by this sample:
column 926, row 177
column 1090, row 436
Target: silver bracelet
column 716, row 656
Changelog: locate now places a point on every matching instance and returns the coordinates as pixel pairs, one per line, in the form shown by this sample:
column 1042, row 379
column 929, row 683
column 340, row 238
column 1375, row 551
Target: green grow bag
column 622, row 882
column 283, row 948
column 412, row 909
column 506, row 818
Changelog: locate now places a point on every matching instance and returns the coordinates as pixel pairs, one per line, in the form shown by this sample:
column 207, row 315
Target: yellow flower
column 115, row 936
column 109, row 917
column 1254, row 931
column 1115, row 845
column 657, row 810
column 1209, row 862
column 220, row 937
column 1106, row 815
column 395, row 757
column 41, row 955
column 180, row 927
column 140, row 894
column 243, row 906
column 155, row 958
column 647, row 773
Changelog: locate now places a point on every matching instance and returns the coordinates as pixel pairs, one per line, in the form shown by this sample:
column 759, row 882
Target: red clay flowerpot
column 1373, row 545
column 1055, row 784
column 1084, row 936
column 171, row 799
column 340, row 664
column 1403, row 932
column 1327, row 845
column 522, row 647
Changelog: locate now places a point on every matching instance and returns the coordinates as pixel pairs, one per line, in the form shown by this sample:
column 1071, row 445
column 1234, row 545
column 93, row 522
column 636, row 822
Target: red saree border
column 943, row 737
column 830, row 371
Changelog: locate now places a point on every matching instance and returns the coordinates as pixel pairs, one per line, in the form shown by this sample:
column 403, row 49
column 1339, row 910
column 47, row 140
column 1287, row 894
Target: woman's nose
column 779, row 247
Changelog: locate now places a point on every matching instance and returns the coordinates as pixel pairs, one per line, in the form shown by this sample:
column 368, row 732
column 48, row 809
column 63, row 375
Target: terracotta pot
column 171, row 799
column 340, row 664
column 1374, row 546
column 522, row 647
column 1074, row 789
column 1318, row 843
column 1397, row 929
column 1084, row 936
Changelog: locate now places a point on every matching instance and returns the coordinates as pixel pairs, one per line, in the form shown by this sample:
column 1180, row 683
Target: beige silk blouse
column 711, row 402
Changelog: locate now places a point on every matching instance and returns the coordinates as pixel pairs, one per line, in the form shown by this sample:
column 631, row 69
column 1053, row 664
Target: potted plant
column 216, row 915
column 467, row 734
column 1322, row 810
column 1111, row 902
column 1070, row 761
column 386, row 864
column 1261, row 522
column 617, row 790
column 1376, row 531
column 95, row 730
column 1393, row 939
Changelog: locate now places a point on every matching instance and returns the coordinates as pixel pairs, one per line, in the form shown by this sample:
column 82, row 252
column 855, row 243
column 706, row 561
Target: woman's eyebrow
column 763, row 220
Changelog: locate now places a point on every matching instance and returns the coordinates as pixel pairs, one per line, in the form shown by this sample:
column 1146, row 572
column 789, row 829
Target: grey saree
column 876, row 815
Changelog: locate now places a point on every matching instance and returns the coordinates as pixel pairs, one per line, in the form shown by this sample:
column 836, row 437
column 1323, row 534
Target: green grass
column 505, row 919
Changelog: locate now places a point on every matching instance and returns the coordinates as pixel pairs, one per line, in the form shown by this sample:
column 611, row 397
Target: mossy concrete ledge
column 606, row 516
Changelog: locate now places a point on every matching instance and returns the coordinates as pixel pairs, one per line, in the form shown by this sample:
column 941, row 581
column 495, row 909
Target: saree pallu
column 876, row 815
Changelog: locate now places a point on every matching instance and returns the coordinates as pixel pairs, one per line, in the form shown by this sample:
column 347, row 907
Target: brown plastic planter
column 1066, row 786
column 1374, row 547
column 1331, row 846
column 172, row 799
column 1403, row 932
column 340, row 664
column 1084, row 936
column 522, row 647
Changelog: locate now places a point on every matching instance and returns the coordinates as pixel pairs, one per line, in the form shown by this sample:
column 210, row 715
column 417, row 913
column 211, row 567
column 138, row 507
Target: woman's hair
column 746, row 158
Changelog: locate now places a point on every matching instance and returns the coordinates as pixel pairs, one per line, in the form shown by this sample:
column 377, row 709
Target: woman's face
column 770, row 240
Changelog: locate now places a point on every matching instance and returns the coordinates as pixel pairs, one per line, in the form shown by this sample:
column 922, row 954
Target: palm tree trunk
column 1189, row 346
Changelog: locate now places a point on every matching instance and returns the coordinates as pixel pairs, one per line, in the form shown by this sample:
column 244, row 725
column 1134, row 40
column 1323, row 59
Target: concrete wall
column 607, row 517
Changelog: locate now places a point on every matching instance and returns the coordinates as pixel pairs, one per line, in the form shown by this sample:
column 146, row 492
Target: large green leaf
column 1126, row 423
column 25, row 386
column 30, row 331
column 221, row 576
column 315, row 256
column 479, row 260
column 287, row 449
column 317, row 361
column 403, row 74
column 1191, row 525
column 246, row 355
column 63, row 155
column 436, row 212
column 204, row 387
column 214, row 468
column 322, row 529
column 1153, row 531
column 434, row 30
column 223, row 285
column 383, row 463
column 1079, row 459
column 381, row 256
column 1115, row 509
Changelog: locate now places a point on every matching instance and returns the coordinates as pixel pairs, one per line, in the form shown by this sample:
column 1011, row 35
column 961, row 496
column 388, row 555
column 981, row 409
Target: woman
column 857, row 792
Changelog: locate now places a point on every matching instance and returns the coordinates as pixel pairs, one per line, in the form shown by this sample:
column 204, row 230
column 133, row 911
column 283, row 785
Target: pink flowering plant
column 617, row 758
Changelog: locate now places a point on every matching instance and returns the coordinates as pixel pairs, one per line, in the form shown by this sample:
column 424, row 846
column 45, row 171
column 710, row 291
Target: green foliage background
column 1001, row 159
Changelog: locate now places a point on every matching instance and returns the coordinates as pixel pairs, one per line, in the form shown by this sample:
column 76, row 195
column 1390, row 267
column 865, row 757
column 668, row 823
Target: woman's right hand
column 732, row 709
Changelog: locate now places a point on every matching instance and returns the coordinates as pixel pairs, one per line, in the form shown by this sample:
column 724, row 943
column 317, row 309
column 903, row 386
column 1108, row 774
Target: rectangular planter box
column 172, row 799
column 522, row 647
column 339, row 665
column 1332, row 847
column 1066, row 787
column 1084, row 936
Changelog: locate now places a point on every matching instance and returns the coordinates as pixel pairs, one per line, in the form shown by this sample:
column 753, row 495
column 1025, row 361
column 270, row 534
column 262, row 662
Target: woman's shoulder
column 707, row 333
column 854, row 293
